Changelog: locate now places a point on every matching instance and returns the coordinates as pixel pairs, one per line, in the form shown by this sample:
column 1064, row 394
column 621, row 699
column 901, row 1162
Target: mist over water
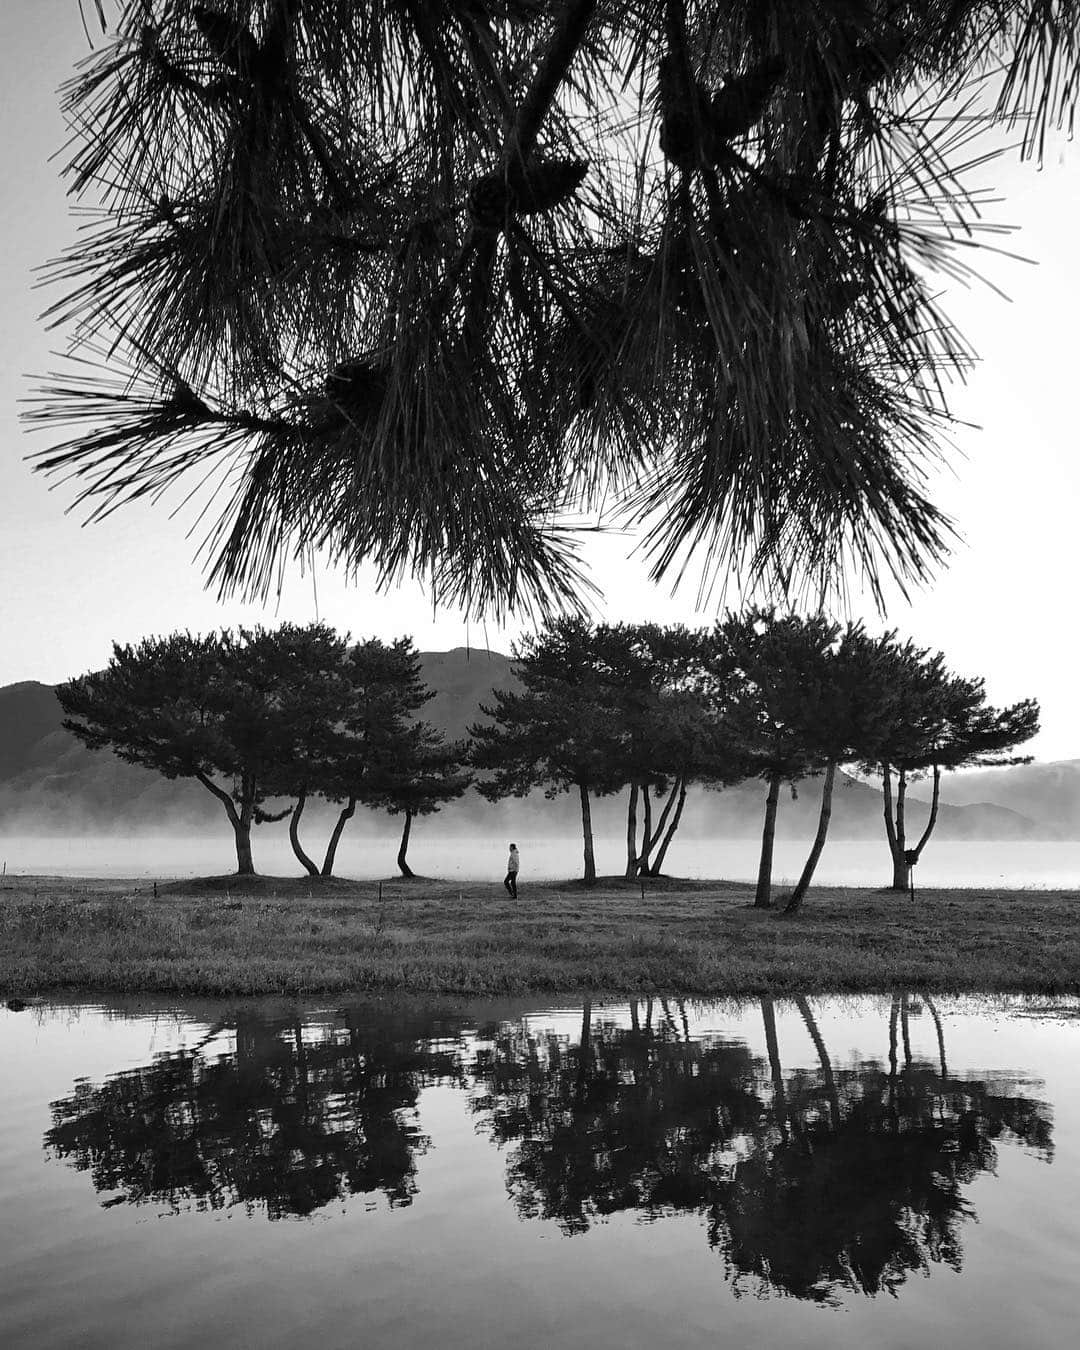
column 475, row 857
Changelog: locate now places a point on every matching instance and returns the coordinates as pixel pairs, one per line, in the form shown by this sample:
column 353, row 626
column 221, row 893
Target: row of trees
column 777, row 697
column 295, row 712
column 300, row 712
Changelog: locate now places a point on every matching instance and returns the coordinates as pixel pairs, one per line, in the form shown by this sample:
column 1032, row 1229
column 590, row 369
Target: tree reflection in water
column 296, row 1116
column 809, row 1182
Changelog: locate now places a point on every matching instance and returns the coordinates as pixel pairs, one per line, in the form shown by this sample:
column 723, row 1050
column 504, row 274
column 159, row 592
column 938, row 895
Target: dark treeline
column 259, row 714
column 652, row 710
column 264, row 716
column 813, row 1181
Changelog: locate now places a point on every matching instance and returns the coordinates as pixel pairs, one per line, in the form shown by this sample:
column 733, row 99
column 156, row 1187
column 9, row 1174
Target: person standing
column 513, row 864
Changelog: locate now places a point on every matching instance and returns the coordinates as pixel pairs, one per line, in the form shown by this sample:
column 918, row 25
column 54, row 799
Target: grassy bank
column 295, row 937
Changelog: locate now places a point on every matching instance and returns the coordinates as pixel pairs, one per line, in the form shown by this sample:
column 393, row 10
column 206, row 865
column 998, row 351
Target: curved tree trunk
column 803, row 884
column 658, row 834
column 934, row 800
column 239, row 820
column 940, row 1034
column 658, row 861
column 403, row 847
column 631, row 833
column 294, row 835
column 331, row 848
column 763, row 894
column 823, row 1058
column 587, row 835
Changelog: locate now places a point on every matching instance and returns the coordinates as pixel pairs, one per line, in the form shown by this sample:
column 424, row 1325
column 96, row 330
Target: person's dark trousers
column 510, row 882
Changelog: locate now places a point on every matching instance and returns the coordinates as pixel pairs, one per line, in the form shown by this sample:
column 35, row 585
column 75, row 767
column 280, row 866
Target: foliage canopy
column 421, row 283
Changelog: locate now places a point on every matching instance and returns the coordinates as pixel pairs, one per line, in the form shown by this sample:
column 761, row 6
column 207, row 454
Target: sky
column 1005, row 607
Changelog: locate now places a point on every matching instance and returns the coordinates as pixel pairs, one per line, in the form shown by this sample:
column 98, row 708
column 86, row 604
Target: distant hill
column 1049, row 793
column 51, row 784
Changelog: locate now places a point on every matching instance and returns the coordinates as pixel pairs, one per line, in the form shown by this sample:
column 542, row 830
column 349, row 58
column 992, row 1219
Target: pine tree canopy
column 436, row 284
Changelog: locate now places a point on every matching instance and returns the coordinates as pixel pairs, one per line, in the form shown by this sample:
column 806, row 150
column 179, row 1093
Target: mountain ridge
column 52, row 784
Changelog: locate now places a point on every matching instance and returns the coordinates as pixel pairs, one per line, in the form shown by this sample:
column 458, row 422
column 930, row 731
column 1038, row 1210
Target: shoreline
column 235, row 937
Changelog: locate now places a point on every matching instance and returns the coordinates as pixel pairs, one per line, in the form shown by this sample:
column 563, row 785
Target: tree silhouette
column 292, row 1118
column 849, row 710
column 811, row 1183
column 773, row 721
column 558, row 732
column 417, row 280
column 938, row 720
column 624, row 1120
column 234, row 707
column 375, row 744
column 860, row 1185
column 423, row 773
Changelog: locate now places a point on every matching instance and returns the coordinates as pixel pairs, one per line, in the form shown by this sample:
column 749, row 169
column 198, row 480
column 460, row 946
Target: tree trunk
column 768, row 1016
column 823, row 1059
column 763, row 894
column 658, row 861
column 940, row 1034
column 403, row 847
column 245, row 863
column 894, row 1014
column 933, row 813
column 581, row 1088
column 646, row 831
column 886, row 795
column 586, row 832
column 239, row 820
column 666, row 812
column 803, row 884
column 894, row 828
column 631, row 833
column 331, row 848
column 901, row 871
column 294, row 835
column 905, row 1029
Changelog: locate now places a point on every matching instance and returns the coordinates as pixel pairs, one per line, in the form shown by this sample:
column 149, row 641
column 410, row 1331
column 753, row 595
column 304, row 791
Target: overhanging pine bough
column 415, row 280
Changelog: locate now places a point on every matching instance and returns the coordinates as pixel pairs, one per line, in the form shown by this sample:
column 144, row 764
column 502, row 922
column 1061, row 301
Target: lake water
column 844, row 863
column 885, row 1172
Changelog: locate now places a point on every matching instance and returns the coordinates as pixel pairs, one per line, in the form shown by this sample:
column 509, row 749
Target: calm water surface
column 845, row 862
column 887, row 1171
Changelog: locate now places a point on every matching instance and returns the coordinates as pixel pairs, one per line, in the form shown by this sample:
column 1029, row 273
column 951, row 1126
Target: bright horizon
column 1000, row 610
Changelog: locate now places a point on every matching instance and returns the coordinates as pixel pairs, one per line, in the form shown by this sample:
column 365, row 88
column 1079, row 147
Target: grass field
column 283, row 936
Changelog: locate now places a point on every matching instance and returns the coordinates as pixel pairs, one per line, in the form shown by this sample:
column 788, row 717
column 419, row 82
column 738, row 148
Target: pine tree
column 559, row 732
column 219, row 709
column 421, row 283
column 423, row 772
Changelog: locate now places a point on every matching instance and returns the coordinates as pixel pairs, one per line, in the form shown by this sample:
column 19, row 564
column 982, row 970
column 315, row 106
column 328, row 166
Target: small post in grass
column 911, row 857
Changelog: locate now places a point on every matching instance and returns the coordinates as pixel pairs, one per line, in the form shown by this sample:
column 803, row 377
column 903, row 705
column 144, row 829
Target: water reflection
column 808, row 1180
column 289, row 1117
